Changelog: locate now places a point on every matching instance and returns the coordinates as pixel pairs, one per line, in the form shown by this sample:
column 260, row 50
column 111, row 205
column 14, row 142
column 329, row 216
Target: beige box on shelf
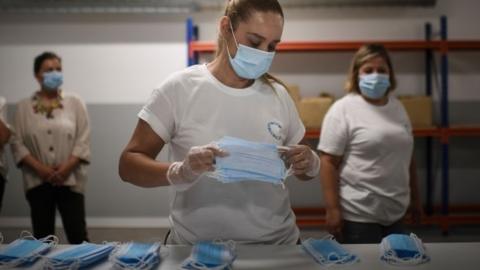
column 312, row 110
column 419, row 110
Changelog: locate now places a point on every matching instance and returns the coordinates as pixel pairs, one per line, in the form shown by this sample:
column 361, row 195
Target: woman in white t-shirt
column 230, row 96
column 368, row 173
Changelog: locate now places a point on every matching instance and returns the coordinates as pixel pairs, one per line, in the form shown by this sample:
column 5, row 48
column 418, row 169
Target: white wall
column 119, row 58
column 113, row 62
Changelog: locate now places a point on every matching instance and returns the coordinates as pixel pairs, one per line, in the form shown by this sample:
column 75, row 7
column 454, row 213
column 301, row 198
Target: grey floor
column 464, row 233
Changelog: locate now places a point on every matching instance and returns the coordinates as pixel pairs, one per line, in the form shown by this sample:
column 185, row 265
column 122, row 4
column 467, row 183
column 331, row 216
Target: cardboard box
column 313, row 110
column 419, row 110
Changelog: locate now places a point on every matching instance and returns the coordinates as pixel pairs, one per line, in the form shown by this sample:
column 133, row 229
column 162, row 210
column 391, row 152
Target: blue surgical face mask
column 374, row 85
column 247, row 161
column 25, row 251
column 327, row 251
column 79, row 256
column 136, row 256
column 52, row 80
column 401, row 249
column 250, row 63
column 211, row 255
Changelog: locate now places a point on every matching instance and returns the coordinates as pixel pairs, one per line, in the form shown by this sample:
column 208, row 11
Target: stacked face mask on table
column 401, row 249
column 25, row 251
column 136, row 256
column 247, row 160
column 211, row 256
column 79, row 256
column 328, row 251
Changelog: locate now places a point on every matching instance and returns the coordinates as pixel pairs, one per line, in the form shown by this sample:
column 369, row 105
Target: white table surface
column 451, row 256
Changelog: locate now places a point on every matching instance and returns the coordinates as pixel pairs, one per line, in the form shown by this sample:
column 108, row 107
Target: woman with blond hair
column 368, row 174
column 230, row 96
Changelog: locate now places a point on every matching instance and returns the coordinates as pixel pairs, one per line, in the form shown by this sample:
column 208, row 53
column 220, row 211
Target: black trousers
column 3, row 181
column 45, row 199
column 368, row 233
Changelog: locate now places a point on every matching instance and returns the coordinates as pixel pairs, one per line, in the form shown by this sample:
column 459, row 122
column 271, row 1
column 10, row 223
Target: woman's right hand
column 334, row 222
column 46, row 173
column 199, row 159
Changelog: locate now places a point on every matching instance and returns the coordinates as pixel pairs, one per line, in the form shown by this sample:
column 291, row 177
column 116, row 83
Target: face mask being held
column 52, row 80
column 374, row 85
column 250, row 63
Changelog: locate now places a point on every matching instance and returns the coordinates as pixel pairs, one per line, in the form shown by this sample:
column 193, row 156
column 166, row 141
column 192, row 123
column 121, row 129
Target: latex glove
column 302, row 160
column 199, row 159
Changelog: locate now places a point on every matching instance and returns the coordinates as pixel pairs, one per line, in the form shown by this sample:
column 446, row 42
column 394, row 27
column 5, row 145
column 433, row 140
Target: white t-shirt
column 376, row 144
column 193, row 108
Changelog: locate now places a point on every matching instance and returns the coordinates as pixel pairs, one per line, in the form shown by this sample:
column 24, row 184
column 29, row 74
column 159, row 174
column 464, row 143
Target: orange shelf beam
column 318, row 46
column 309, row 46
column 463, row 131
column 464, row 45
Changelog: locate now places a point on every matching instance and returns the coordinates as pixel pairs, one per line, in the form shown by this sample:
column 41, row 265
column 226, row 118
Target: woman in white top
column 230, row 96
column 52, row 147
column 4, row 138
column 368, row 173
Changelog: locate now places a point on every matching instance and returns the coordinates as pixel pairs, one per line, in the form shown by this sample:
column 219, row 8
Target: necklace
column 44, row 105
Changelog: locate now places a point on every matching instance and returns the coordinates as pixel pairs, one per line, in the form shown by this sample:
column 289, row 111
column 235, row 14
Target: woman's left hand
column 62, row 172
column 416, row 211
column 303, row 160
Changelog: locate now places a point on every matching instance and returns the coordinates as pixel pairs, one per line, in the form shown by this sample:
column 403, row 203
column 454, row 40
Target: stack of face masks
column 401, row 249
column 26, row 250
column 211, row 256
column 78, row 256
column 328, row 251
column 249, row 160
column 136, row 256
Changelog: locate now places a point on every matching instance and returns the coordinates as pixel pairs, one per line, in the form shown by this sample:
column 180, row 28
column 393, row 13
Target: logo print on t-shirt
column 275, row 130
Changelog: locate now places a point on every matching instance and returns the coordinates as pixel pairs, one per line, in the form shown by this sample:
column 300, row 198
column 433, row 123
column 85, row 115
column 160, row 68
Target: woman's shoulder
column 72, row 97
column 181, row 79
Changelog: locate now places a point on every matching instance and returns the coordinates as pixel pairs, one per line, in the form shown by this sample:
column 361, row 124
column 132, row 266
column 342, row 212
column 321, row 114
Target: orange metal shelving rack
column 314, row 216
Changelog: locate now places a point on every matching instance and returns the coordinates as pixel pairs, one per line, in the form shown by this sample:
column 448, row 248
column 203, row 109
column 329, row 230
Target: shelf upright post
column 444, row 115
column 192, row 57
column 428, row 140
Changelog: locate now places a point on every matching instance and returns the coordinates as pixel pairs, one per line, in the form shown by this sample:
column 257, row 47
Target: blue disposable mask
column 247, row 160
column 250, row 63
column 211, row 256
column 79, row 256
column 25, row 251
column 52, row 80
column 328, row 252
column 401, row 249
column 374, row 85
column 136, row 256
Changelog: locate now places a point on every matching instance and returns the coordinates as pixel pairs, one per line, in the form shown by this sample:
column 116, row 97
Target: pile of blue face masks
column 249, row 160
column 136, row 256
column 78, row 256
column 26, row 250
column 211, row 256
column 401, row 249
column 328, row 251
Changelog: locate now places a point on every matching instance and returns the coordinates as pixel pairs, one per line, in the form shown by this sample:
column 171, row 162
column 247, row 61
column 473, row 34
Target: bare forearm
column 31, row 162
column 4, row 134
column 329, row 180
column 72, row 162
column 141, row 170
column 414, row 192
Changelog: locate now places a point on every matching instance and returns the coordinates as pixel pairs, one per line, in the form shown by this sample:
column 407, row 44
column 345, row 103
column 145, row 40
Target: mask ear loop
column 234, row 38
